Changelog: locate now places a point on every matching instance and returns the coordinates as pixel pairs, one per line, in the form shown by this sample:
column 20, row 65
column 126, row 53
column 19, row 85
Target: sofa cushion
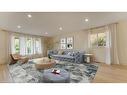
column 67, row 56
column 55, row 52
column 60, row 52
column 69, row 53
column 64, row 56
column 72, row 53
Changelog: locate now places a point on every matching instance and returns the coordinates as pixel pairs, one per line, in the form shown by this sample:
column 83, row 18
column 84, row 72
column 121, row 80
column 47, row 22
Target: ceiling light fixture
column 86, row 19
column 29, row 15
column 60, row 28
column 18, row 26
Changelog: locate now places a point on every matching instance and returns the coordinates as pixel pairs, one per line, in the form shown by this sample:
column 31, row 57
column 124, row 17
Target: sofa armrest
column 52, row 52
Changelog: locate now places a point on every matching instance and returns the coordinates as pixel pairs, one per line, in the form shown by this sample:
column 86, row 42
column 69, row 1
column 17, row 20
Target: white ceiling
column 50, row 22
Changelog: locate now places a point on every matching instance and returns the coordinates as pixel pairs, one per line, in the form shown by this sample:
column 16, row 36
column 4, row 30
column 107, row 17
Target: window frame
column 16, row 37
column 39, row 50
column 24, row 44
column 29, row 47
column 97, row 46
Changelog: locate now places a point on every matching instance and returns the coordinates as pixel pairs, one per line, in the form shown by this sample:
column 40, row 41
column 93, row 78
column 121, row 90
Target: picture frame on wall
column 69, row 42
column 63, row 46
column 69, row 46
column 63, row 40
column 63, row 43
column 66, row 43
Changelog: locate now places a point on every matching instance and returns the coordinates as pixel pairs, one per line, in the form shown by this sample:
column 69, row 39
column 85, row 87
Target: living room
column 75, row 42
column 63, row 47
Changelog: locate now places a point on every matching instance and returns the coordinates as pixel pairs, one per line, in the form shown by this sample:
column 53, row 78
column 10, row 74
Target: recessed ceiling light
column 18, row 26
column 60, row 28
column 29, row 15
column 86, row 19
column 46, row 33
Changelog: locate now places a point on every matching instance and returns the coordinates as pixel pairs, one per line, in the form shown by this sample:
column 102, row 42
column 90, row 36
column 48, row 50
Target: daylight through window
column 98, row 39
column 26, row 45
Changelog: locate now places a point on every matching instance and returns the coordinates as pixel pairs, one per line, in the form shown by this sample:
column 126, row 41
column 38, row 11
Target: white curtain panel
column 34, row 46
column 40, row 46
column 111, row 44
column 12, row 43
column 22, row 45
column 108, row 46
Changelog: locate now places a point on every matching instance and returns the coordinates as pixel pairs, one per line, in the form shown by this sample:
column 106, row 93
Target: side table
column 88, row 58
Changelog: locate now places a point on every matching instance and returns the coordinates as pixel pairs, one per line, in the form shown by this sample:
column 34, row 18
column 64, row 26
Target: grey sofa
column 70, row 56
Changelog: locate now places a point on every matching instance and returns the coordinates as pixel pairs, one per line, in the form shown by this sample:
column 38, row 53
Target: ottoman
column 49, row 77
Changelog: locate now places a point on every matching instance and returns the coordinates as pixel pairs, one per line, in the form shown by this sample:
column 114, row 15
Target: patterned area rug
column 27, row 73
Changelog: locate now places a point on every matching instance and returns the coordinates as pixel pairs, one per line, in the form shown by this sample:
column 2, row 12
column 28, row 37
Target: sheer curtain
column 111, row 44
column 12, row 43
column 27, row 41
column 22, row 45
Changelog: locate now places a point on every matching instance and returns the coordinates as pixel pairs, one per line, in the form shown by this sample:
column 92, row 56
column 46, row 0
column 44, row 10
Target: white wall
column 122, row 41
column 3, row 47
column 80, row 40
column 99, row 54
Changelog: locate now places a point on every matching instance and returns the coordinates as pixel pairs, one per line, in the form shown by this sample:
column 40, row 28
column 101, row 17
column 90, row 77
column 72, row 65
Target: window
column 101, row 39
column 29, row 46
column 98, row 39
column 16, row 45
column 26, row 45
column 37, row 46
column 93, row 38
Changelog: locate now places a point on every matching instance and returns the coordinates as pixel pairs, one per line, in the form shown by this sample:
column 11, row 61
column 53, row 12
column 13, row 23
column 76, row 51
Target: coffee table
column 44, row 63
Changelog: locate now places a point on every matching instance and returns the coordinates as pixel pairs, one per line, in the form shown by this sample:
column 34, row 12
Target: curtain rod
column 99, row 26
column 20, row 33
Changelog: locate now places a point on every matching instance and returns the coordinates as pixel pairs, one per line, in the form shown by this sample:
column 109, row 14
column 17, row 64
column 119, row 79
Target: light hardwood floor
column 105, row 74
column 111, row 74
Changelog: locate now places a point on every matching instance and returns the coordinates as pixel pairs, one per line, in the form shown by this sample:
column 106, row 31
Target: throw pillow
column 69, row 53
column 72, row 54
column 60, row 52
